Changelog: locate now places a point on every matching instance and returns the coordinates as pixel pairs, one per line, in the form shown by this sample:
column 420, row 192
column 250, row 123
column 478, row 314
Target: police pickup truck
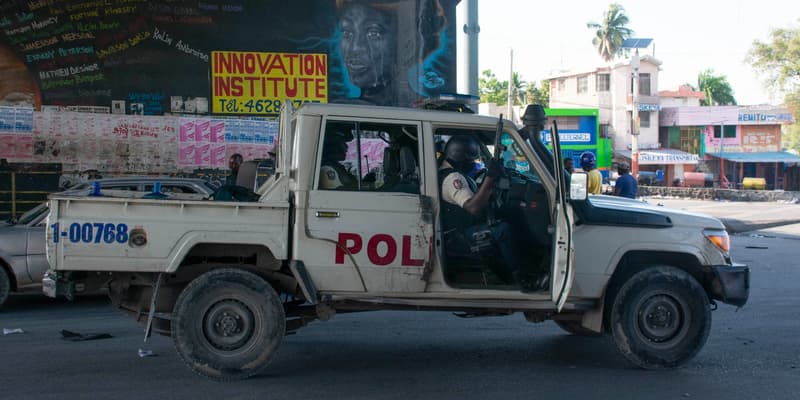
column 352, row 221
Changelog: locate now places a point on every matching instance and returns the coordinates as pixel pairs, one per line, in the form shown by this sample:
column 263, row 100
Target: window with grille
column 644, row 119
column 583, row 84
column 603, row 82
column 644, row 84
column 730, row 131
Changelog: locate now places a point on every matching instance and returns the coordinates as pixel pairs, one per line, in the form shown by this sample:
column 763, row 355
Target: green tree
column 492, row 90
column 538, row 94
column 611, row 32
column 716, row 88
column 778, row 62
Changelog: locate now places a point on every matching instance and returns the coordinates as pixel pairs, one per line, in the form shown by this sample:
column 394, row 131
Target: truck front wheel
column 227, row 324
column 660, row 318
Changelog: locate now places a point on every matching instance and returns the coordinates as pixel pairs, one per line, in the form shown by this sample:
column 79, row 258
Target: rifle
column 498, row 147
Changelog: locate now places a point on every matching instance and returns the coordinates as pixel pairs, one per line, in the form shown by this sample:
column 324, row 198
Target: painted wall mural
column 154, row 57
column 129, row 86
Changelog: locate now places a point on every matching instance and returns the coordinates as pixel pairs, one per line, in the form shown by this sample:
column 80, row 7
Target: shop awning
column 660, row 156
column 760, row 157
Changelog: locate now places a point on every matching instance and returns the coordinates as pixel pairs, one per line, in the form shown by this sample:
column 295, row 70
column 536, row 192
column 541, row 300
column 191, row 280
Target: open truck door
column 562, row 270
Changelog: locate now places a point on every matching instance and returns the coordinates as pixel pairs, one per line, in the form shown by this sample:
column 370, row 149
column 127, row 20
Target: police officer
column 332, row 174
column 464, row 206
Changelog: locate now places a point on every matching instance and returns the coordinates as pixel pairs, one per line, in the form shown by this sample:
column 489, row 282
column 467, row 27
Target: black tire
column 574, row 328
column 660, row 318
column 227, row 324
column 5, row 285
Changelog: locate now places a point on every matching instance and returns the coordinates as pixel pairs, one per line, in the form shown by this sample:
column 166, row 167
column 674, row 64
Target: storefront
column 661, row 167
column 579, row 132
column 735, row 142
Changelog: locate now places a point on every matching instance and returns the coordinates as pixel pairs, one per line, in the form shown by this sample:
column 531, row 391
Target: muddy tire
column 575, row 328
column 660, row 318
column 5, row 285
column 227, row 324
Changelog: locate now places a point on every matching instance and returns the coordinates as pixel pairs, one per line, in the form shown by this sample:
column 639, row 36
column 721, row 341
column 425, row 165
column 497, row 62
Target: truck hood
column 623, row 211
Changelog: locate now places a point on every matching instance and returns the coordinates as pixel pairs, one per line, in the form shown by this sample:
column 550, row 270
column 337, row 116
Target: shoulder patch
column 331, row 174
column 457, row 184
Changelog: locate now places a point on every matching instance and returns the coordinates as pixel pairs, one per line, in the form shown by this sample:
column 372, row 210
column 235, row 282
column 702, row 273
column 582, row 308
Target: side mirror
column 578, row 185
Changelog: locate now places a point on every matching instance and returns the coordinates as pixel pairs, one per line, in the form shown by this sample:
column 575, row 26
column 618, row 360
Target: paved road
column 751, row 353
column 738, row 216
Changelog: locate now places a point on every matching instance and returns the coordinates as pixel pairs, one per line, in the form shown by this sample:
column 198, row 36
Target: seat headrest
column 390, row 163
column 408, row 164
column 248, row 172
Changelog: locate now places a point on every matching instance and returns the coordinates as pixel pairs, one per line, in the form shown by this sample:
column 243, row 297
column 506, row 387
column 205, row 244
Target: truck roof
column 367, row 111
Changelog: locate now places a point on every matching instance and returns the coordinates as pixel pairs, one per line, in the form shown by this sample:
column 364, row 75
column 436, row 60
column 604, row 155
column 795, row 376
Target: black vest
column 453, row 216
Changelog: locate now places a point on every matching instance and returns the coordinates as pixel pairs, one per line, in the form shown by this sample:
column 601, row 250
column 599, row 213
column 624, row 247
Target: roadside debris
column 146, row 353
column 7, row 331
column 80, row 337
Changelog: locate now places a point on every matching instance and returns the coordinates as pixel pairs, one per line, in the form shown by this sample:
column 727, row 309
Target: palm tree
column 518, row 89
column 716, row 88
column 610, row 33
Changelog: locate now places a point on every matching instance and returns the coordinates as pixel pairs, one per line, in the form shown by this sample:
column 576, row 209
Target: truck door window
column 368, row 156
column 514, row 157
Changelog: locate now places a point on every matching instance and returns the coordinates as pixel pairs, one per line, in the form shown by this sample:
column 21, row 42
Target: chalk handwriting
column 162, row 36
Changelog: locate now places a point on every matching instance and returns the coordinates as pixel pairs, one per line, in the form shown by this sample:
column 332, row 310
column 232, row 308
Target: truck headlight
column 720, row 239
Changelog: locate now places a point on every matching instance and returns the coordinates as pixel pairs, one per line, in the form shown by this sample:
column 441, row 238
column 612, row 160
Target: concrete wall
column 720, row 194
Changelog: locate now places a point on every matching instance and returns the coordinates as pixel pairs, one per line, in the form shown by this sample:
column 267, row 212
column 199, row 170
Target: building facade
column 609, row 89
column 736, row 142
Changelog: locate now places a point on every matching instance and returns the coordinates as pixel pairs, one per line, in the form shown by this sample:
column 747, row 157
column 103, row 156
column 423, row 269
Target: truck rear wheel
column 227, row 324
column 5, row 285
column 660, row 318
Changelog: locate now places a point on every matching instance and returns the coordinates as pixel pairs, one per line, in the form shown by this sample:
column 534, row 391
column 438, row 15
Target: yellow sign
column 257, row 83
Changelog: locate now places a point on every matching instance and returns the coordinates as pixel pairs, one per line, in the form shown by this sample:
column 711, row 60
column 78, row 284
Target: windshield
column 514, row 157
column 33, row 214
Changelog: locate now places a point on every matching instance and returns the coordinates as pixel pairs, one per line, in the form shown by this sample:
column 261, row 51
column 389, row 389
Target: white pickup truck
column 361, row 228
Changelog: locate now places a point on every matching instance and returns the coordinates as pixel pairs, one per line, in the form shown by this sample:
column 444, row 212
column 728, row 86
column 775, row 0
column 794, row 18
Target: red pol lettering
column 352, row 243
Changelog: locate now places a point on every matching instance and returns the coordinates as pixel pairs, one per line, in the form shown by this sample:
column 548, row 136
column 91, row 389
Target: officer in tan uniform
column 333, row 175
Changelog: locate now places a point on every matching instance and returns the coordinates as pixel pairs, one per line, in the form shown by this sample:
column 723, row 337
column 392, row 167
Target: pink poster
column 187, row 131
column 23, row 147
column 217, row 131
column 202, row 154
column 218, row 159
column 7, row 143
column 186, row 157
column 202, row 130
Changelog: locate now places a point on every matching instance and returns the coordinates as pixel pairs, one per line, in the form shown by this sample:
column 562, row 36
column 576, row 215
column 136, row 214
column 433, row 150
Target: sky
column 688, row 37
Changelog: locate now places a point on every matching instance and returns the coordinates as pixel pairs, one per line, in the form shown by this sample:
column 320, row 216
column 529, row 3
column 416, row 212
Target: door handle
column 327, row 214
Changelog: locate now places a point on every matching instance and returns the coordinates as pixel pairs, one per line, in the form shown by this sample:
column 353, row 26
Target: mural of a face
column 367, row 45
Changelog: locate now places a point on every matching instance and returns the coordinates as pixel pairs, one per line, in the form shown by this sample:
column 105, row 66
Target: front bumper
column 730, row 284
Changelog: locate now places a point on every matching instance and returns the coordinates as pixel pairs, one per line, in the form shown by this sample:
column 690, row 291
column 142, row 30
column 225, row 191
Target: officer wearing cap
column 333, row 175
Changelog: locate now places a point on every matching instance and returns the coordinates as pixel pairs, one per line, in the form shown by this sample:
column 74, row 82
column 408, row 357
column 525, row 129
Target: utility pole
column 635, row 115
column 510, row 111
column 468, row 48
column 721, row 160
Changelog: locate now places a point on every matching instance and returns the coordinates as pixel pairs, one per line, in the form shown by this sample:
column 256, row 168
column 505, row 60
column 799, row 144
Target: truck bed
column 125, row 234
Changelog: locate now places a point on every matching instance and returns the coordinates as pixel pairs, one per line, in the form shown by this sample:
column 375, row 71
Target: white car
column 22, row 248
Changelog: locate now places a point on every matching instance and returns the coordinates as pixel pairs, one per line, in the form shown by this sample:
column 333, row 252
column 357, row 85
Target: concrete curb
column 733, row 225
